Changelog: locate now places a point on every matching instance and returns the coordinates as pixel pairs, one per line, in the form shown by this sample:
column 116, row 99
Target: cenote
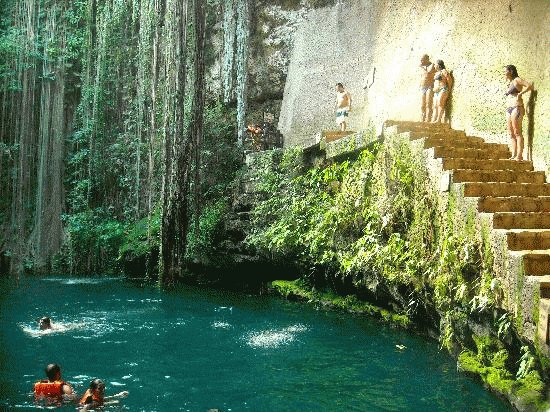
column 193, row 349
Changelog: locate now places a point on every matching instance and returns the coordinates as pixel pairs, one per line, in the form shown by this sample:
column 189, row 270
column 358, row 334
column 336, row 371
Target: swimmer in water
column 45, row 323
column 94, row 396
column 54, row 389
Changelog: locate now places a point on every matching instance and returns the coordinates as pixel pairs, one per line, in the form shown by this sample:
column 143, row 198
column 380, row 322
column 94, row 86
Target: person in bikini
column 343, row 106
column 515, row 109
column 427, row 69
column 443, row 84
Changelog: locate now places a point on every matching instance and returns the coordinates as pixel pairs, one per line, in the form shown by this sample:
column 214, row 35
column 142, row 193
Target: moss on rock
column 298, row 289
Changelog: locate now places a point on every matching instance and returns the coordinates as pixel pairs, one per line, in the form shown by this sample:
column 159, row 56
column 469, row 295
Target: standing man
column 426, row 86
column 343, row 106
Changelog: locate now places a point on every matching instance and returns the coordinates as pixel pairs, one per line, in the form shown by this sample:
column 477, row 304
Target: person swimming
column 54, row 389
column 44, row 323
column 94, row 396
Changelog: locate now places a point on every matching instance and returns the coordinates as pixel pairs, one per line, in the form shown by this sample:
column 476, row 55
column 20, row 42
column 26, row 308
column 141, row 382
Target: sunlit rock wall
column 356, row 41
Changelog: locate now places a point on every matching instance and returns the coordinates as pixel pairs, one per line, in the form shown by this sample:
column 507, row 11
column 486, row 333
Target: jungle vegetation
column 110, row 148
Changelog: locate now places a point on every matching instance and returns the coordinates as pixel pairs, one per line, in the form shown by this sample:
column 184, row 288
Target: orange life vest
column 45, row 388
column 95, row 397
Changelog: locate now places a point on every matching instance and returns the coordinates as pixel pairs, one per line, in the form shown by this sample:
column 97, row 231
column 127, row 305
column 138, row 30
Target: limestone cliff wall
column 374, row 47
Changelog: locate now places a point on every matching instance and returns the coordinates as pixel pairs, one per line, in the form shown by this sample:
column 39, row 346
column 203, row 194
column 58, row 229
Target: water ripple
column 274, row 338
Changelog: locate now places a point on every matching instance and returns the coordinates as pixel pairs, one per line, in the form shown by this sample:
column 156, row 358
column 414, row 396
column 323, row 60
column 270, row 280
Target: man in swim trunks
column 343, row 106
column 426, row 87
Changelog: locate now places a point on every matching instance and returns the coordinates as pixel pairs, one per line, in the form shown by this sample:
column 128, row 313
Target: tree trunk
column 243, row 27
column 176, row 160
column 197, row 107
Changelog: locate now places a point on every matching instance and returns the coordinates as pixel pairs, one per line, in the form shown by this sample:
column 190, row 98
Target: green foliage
column 299, row 289
column 490, row 363
column 93, row 241
column 526, row 363
column 375, row 220
column 204, row 245
column 140, row 238
column 220, row 157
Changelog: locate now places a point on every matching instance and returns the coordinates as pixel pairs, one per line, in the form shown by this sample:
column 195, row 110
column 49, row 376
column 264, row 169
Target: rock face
column 374, row 48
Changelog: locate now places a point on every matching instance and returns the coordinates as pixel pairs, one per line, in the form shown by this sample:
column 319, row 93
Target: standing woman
column 515, row 109
column 443, row 84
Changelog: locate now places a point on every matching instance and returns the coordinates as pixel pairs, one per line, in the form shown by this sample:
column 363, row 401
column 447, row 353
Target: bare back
column 427, row 75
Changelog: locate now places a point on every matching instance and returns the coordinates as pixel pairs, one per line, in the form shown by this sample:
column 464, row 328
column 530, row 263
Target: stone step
column 486, row 152
column 513, row 204
column 543, row 331
column 332, row 135
column 544, row 283
column 475, row 164
column 413, row 124
column 503, row 176
column 529, row 240
column 418, row 132
column 521, row 220
column 535, row 262
column 441, row 134
column 497, row 189
column 463, row 142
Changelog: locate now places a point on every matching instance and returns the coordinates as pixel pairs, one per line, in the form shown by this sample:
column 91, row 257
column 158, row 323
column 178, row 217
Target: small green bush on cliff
column 203, row 242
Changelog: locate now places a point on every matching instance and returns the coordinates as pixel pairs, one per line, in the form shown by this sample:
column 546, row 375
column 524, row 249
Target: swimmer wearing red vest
column 54, row 388
column 94, row 396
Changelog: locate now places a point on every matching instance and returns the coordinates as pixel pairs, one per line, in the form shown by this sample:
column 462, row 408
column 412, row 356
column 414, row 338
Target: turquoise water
column 195, row 349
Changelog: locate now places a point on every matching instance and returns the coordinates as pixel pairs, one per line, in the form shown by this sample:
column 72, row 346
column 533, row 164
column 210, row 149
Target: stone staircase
column 516, row 196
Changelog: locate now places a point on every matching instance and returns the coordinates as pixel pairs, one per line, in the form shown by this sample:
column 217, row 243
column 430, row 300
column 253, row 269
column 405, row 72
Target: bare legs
column 427, row 102
column 343, row 126
column 513, row 120
column 439, row 106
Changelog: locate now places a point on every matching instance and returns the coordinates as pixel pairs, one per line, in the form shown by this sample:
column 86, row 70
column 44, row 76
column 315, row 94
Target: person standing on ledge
column 343, row 106
column 515, row 109
column 426, row 87
column 442, row 90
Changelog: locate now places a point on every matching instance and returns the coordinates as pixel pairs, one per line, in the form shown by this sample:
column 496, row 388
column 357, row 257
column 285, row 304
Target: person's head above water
column 45, row 323
column 425, row 60
column 440, row 64
column 340, row 87
column 53, row 372
column 97, row 385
